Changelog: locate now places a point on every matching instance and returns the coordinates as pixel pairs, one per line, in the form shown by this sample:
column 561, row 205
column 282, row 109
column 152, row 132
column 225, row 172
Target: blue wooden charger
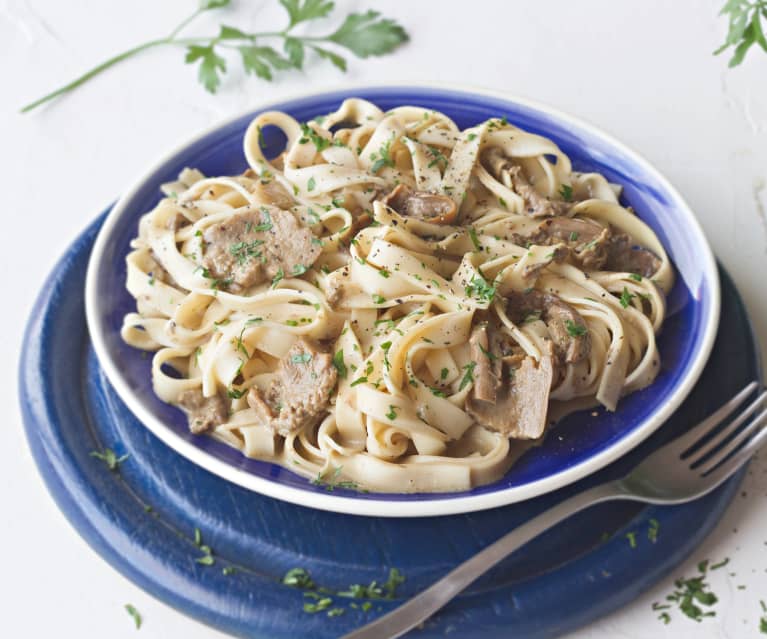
column 142, row 518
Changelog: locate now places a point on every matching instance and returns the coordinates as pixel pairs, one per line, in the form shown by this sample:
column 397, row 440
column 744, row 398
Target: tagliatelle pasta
column 394, row 304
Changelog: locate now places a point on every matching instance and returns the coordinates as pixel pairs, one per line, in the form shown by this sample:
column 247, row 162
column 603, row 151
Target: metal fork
column 688, row 467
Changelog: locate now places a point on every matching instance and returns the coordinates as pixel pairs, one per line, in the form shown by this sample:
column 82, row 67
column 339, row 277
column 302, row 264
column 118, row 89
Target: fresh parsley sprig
column 745, row 30
column 363, row 34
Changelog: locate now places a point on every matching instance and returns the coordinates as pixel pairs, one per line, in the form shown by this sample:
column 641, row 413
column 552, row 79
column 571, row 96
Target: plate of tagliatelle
column 402, row 301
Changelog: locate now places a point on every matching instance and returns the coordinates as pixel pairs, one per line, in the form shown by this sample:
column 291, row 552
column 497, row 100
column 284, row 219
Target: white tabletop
column 640, row 69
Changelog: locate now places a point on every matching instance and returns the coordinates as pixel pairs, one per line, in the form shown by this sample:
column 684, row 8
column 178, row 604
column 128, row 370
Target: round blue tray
column 142, row 518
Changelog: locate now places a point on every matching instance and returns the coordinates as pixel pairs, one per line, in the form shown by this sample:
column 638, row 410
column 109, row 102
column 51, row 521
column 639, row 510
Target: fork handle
column 424, row 605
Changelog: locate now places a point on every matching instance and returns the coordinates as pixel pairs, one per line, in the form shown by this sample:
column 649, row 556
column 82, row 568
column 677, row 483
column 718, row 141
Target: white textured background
column 640, row 69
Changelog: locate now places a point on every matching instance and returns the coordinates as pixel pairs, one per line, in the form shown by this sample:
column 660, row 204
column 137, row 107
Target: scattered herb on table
column 362, row 34
column 109, row 457
column 323, row 598
column 690, row 594
column 652, row 530
column 207, row 558
column 745, row 28
column 135, row 614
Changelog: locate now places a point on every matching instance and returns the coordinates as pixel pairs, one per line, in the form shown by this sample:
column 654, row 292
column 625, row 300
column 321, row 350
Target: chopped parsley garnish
column 109, row 457
column 437, row 392
column 378, row 299
column 487, row 353
column 438, row 156
column 331, row 483
column 303, row 358
column 299, row 269
column 566, row 191
column 468, row 376
column 636, row 277
column 444, row 373
column 502, row 202
column 383, row 157
column 266, row 224
column 135, row 614
column 310, row 135
column 384, row 273
column 234, row 393
column 392, row 414
column 338, row 362
column 479, row 288
column 474, row 239
column 574, row 236
column 277, row 278
column 626, row 297
column 575, row 330
column 471, row 137
column 311, row 184
column 245, row 251
column 359, row 380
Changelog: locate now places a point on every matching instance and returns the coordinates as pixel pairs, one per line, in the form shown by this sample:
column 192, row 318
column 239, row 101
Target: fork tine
column 727, row 431
column 734, row 444
column 736, row 461
column 690, row 438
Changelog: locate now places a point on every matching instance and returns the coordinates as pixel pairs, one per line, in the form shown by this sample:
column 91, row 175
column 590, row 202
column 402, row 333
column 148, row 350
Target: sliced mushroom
column 624, row 256
column 521, row 404
column 535, row 204
column 487, row 369
column 568, row 330
column 422, row 205
column 272, row 192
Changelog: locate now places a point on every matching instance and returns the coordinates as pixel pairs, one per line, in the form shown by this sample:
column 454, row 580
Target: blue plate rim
column 416, row 507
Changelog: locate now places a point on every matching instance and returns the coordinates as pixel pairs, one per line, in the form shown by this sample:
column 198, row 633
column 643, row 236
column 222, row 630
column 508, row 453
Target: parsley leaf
column 566, row 191
column 336, row 60
column 207, row 5
column 364, row 34
column 212, row 66
column 303, row 10
column 745, row 28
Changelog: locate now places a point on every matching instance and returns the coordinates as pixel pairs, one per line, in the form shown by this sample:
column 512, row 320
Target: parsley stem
column 94, row 72
column 114, row 60
column 183, row 24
